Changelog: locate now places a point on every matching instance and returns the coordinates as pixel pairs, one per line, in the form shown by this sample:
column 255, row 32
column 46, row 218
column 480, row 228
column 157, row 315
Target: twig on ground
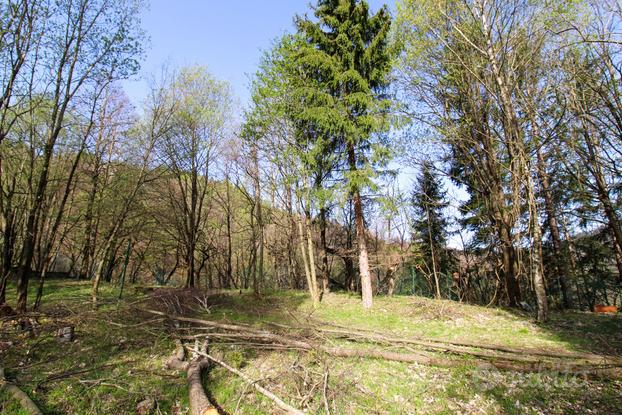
column 324, row 392
column 144, row 323
column 279, row 402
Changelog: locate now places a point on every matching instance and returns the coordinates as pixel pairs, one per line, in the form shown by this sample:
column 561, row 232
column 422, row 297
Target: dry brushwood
column 480, row 360
column 27, row 404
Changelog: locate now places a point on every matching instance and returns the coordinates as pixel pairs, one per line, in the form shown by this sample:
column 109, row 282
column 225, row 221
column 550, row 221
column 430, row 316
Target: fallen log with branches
column 199, row 403
column 485, row 360
column 200, row 361
column 527, row 356
column 557, row 354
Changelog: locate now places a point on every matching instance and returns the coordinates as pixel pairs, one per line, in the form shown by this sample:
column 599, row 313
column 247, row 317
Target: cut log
column 199, row 403
column 19, row 395
column 65, row 334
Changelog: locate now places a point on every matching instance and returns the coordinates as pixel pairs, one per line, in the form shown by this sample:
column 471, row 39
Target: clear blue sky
column 226, row 36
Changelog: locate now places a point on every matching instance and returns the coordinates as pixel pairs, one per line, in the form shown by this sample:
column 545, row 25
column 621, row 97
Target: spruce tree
column 346, row 61
column 429, row 222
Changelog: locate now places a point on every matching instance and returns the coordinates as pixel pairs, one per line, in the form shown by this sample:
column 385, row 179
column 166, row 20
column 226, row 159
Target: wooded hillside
column 467, row 151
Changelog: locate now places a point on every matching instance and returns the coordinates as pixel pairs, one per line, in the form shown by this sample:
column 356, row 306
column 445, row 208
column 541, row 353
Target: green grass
column 110, row 369
column 8, row 405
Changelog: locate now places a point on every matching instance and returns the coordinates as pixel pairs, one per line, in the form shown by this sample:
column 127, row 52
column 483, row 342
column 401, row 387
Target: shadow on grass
column 108, row 368
column 587, row 332
column 533, row 393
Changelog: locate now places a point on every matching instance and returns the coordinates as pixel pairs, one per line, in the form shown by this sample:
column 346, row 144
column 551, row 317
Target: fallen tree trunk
column 464, row 349
column 606, row 371
column 256, row 333
column 558, row 354
column 595, row 372
column 19, row 395
column 199, row 403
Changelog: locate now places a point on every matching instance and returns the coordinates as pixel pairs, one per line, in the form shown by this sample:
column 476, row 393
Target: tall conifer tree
column 429, row 222
column 346, row 62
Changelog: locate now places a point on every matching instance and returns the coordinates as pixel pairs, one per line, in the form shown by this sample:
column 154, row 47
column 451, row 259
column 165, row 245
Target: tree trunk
column 47, row 262
column 433, row 255
column 260, row 237
column 106, row 252
column 325, row 270
column 366, row 285
column 536, row 251
column 510, row 266
column 229, row 277
column 303, row 253
column 190, row 265
column 88, row 251
column 390, row 280
column 311, row 253
column 553, row 225
column 605, row 199
column 291, row 241
column 199, row 402
column 8, row 240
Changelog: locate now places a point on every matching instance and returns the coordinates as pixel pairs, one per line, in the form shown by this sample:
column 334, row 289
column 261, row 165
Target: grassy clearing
column 110, row 368
column 107, row 369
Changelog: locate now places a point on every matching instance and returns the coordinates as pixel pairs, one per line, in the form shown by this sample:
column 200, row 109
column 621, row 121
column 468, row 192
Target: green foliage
column 322, row 91
column 429, row 203
column 346, row 59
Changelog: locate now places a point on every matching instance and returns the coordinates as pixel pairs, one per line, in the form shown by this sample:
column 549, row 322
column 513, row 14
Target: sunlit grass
column 109, row 369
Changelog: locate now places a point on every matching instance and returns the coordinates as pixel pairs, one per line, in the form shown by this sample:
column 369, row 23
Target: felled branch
column 482, row 360
column 277, row 401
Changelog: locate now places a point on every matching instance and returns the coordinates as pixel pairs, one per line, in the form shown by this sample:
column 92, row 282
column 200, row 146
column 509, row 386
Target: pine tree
column 429, row 222
column 346, row 62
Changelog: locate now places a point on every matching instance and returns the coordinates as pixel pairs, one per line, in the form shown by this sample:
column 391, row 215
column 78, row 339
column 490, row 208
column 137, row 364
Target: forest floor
column 116, row 363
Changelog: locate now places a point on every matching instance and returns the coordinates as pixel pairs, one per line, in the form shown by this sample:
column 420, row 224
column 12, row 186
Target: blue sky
column 226, row 36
